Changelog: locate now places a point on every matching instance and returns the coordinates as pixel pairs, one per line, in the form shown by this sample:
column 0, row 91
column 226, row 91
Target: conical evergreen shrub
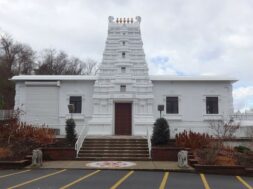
column 161, row 132
column 70, row 131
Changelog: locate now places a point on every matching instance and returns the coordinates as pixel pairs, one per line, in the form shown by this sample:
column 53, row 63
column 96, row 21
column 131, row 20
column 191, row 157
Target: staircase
column 114, row 148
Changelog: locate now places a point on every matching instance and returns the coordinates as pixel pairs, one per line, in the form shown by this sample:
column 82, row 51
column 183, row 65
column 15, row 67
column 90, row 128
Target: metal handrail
column 149, row 143
column 80, row 139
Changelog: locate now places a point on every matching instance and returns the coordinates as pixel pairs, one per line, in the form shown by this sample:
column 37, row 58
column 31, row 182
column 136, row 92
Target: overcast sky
column 181, row 37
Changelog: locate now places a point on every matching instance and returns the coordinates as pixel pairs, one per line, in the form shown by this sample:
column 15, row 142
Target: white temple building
column 123, row 99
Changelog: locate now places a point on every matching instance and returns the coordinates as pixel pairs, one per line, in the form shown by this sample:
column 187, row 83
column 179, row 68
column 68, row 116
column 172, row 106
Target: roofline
column 191, row 78
column 94, row 77
column 53, row 77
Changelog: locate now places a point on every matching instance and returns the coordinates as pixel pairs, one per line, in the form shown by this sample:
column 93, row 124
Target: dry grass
column 22, row 138
column 193, row 140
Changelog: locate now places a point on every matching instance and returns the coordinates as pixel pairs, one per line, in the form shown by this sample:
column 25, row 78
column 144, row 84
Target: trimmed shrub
column 161, row 132
column 70, row 131
column 193, row 140
column 242, row 149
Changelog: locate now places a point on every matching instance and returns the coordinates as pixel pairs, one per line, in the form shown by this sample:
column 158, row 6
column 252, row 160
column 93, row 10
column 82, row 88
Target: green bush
column 242, row 149
column 70, row 131
column 161, row 132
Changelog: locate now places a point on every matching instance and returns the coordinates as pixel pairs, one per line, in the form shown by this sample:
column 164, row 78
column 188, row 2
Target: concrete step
column 114, row 158
column 115, row 139
column 112, row 155
column 111, row 142
column 133, row 139
column 132, row 151
column 115, row 145
column 113, row 148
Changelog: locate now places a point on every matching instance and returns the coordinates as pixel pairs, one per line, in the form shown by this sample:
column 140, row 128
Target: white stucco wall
column 65, row 89
column 192, row 107
column 192, row 102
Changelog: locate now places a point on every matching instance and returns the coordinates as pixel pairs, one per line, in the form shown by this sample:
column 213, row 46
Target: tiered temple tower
column 122, row 79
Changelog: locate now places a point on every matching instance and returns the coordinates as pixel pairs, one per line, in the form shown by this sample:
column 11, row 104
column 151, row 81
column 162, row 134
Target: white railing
column 6, row 114
column 243, row 116
column 80, row 139
column 149, row 143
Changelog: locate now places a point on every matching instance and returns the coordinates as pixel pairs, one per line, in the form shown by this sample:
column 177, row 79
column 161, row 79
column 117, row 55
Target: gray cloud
column 197, row 37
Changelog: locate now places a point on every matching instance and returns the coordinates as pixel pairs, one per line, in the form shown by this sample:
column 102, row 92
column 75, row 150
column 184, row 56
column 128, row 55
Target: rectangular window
column 172, row 105
column 77, row 102
column 123, row 43
column 212, row 105
column 123, row 69
column 123, row 54
column 122, row 88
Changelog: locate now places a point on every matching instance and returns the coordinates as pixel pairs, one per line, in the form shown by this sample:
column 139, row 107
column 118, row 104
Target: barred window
column 122, row 88
column 172, row 105
column 212, row 106
column 77, row 102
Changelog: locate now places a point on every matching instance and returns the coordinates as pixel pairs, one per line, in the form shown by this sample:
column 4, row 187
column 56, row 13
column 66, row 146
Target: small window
column 123, row 69
column 212, row 105
column 123, row 54
column 123, row 43
column 122, row 88
column 77, row 102
column 172, row 105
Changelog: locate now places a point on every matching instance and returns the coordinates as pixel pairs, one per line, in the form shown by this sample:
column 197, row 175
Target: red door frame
column 123, row 125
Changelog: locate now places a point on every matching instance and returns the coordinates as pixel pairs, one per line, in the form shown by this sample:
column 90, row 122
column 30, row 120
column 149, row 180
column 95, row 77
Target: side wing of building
column 193, row 104
column 46, row 101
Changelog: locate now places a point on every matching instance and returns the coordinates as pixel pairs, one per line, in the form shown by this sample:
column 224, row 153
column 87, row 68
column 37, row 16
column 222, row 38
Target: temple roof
column 92, row 77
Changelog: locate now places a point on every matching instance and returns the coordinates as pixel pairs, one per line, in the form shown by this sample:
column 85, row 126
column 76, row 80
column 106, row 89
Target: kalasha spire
column 124, row 20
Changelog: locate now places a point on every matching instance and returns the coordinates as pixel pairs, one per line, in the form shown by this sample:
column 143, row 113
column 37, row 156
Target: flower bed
column 210, row 155
column 60, row 150
column 59, row 153
column 166, row 153
column 18, row 139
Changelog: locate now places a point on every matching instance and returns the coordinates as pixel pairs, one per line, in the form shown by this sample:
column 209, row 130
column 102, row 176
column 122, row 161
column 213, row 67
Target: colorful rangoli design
column 110, row 164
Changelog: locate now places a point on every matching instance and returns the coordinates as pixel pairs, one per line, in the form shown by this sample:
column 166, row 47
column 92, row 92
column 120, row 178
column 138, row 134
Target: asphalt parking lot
column 112, row 179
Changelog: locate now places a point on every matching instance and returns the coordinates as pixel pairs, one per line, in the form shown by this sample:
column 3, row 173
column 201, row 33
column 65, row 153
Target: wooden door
column 123, row 118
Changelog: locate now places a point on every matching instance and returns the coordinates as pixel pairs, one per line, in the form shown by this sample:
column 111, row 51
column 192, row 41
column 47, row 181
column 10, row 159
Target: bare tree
column 59, row 63
column 18, row 58
column 90, row 67
column 224, row 130
column 15, row 59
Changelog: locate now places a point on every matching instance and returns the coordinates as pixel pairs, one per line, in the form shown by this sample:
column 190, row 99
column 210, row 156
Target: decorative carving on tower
column 123, row 64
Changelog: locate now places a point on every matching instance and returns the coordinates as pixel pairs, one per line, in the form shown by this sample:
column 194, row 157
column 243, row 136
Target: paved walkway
column 137, row 165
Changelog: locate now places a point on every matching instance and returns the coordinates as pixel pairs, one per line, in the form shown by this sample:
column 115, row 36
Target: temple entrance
column 123, row 118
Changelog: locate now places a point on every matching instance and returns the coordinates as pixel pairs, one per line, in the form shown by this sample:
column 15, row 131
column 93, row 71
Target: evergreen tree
column 161, row 132
column 70, row 131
